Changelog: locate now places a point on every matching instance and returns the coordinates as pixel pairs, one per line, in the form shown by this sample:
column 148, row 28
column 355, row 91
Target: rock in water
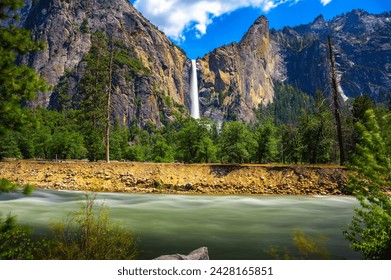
column 199, row 254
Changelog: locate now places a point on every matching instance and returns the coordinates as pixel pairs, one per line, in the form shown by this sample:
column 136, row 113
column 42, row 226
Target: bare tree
column 336, row 103
column 108, row 104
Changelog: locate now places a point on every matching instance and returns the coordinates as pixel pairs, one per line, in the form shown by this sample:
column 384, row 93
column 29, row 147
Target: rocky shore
column 178, row 178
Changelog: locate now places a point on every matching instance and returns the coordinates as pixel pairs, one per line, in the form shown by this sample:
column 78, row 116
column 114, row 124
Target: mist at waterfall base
column 232, row 227
column 195, row 107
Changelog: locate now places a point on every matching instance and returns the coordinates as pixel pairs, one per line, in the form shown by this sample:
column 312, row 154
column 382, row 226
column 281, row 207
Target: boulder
column 199, row 254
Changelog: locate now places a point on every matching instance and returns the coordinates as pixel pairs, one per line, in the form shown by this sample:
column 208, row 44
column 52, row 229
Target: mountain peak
column 318, row 23
column 359, row 12
column 258, row 30
column 261, row 20
column 319, row 18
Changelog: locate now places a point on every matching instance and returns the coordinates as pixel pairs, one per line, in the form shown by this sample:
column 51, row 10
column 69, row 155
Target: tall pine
column 93, row 96
column 18, row 83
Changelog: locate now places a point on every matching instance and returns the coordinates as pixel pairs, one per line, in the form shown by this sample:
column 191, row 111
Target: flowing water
column 232, row 227
column 195, row 107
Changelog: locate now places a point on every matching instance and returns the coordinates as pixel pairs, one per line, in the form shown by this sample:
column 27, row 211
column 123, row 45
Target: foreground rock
column 178, row 178
column 199, row 254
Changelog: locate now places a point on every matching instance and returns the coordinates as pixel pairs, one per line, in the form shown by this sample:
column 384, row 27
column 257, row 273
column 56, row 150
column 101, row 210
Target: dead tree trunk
column 108, row 105
column 336, row 104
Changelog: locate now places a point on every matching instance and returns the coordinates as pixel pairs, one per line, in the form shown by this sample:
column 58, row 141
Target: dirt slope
column 178, row 178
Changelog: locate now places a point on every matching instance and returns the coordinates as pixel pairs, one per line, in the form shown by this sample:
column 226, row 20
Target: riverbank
column 134, row 177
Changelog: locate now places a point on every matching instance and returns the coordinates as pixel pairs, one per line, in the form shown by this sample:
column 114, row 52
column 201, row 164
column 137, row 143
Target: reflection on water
column 232, row 227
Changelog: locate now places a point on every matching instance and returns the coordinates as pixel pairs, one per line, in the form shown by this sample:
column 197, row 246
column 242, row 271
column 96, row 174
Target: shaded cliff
column 361, row 42
column 151, row 88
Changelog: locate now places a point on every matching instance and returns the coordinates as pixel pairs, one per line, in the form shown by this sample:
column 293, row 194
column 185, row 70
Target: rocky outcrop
column 237, row 78
column 362, row 50
column 66, row 28
column 199, row 254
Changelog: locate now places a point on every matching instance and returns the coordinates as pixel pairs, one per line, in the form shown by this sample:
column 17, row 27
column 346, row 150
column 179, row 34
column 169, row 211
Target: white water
column 232, row 227
column 195, row 108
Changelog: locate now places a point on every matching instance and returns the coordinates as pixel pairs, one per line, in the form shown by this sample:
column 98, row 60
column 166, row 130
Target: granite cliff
column 361, row 43
column 66, row 27
column 234, row 80
column 237, row 78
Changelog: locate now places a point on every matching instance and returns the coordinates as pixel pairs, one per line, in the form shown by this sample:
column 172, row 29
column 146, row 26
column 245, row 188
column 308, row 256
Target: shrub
column 15, row 241
column 86, row 236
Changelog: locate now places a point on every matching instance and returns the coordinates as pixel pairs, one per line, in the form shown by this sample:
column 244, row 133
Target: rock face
column 237, row 78
column 199, row 254
column 66, row 28
column 234, row 80
column 361, row 42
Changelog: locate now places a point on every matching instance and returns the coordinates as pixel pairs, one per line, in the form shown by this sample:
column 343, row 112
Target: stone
column 199, row 254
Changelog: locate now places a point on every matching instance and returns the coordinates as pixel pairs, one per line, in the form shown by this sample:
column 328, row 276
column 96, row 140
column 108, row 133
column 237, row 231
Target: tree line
column 309, row 138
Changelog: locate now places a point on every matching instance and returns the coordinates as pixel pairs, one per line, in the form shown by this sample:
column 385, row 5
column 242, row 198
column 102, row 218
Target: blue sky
column 199, row 26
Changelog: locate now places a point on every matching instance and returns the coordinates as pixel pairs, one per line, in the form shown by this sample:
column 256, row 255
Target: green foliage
column 84, row 26
column 28, row 189
column 306, row 248
column 288, row 105
column 9, row 6
column 136, row 153
column 360, row 105
column 194, row 142
column 87, row 235
column 118, row 142
column 384, row 120
column 207, row 150
column 94, row 144
column 67, row 145
column 317, row 133
column 26, row 144
column 291, row 145
column 123, row 58
column 15, row 240
column 18, row 84
column 265, row 137
column 7, row 186
column 9, row 145
column 161, row 151
column 236, row 143
column 93, row 94
column 370, row 230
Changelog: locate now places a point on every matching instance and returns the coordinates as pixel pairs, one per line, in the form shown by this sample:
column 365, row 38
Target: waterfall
column 195, row 107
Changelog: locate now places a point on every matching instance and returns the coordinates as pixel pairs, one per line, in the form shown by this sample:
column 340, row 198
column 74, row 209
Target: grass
column 7, row 186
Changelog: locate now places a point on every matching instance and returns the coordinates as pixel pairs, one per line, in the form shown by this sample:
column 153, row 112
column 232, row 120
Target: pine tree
column 18, row 83
column 236, row 143
column 370, row 230
column 265, row 137
column 93, row 96
column 317, row 134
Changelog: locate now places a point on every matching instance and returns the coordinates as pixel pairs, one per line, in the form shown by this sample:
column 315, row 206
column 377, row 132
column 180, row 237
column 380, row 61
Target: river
column 232, row 227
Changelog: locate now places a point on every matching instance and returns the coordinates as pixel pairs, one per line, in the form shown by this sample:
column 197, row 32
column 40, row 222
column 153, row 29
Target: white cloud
column 325, row 2
column 174, row 17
